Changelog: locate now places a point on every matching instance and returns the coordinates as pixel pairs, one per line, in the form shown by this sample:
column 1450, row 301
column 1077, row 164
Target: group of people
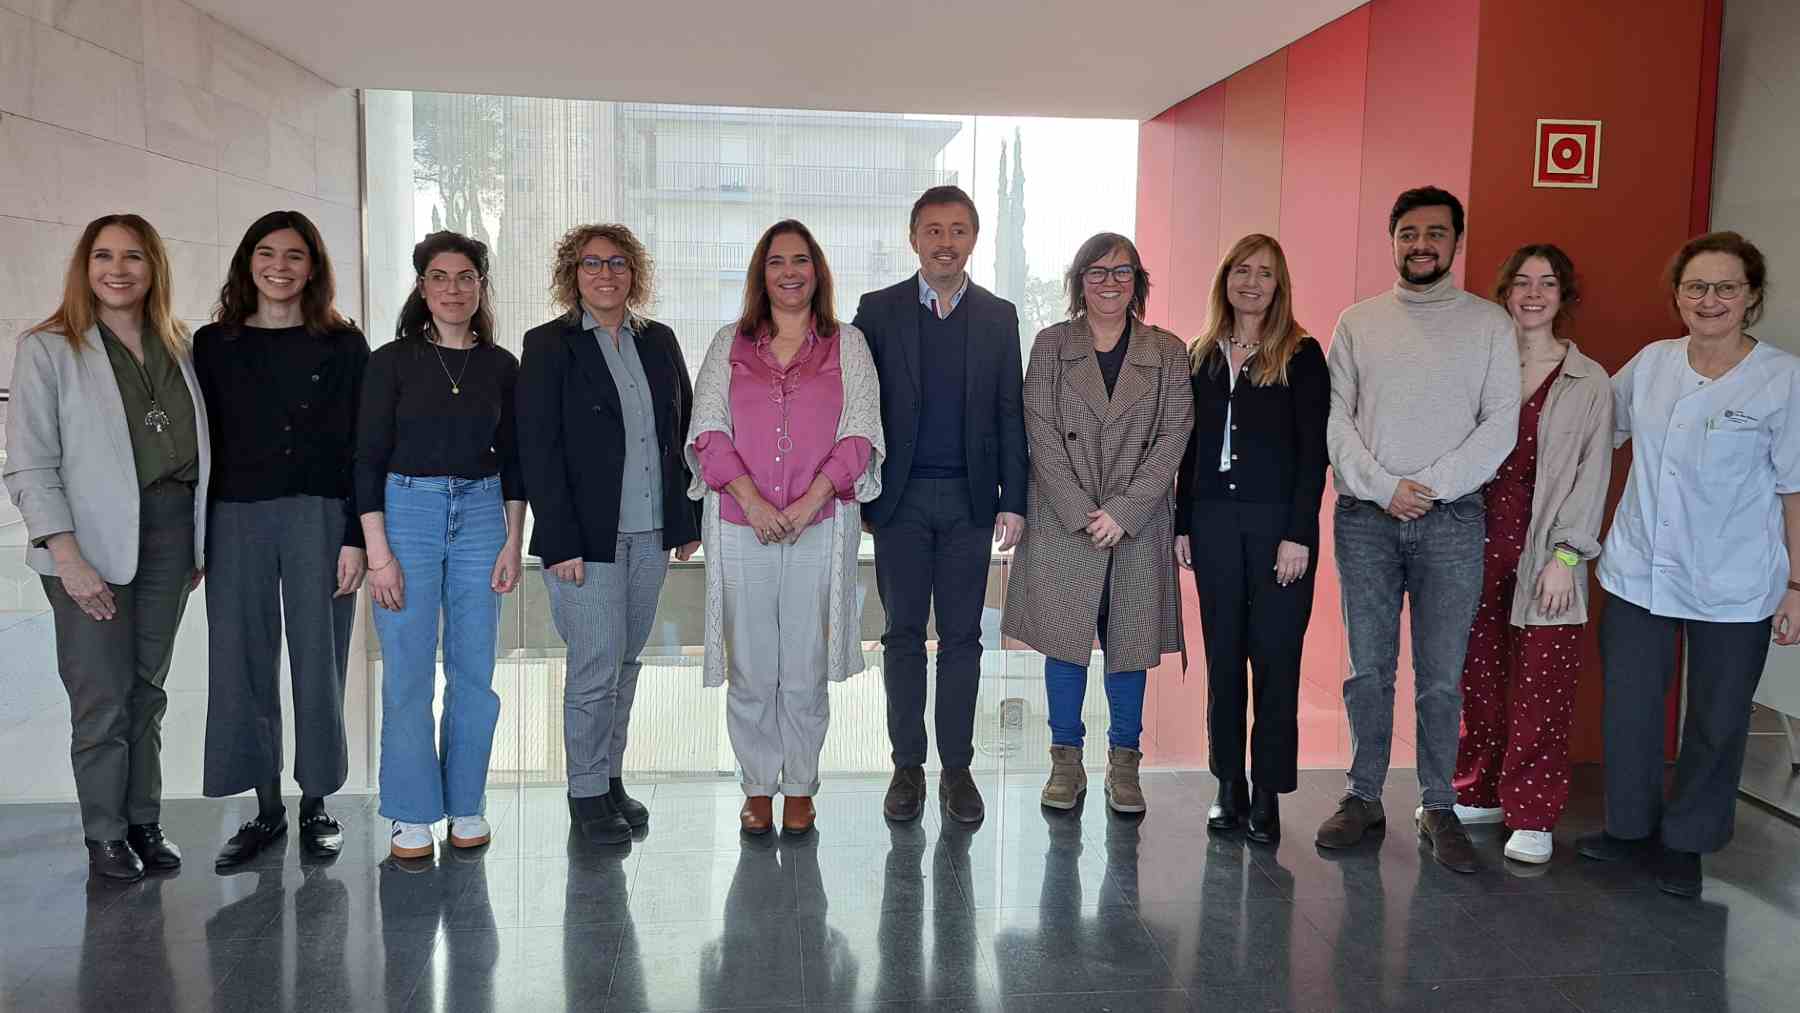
column 1470, row 440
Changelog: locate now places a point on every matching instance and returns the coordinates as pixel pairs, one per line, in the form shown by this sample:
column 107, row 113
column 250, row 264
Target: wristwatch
column 1567, row 556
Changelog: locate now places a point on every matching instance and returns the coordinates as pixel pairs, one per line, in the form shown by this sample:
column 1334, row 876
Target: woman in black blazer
column 1248, row 511
column 604, row 400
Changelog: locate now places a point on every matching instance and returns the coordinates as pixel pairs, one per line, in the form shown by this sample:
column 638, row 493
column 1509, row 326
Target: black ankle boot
column 1228, row 810
column 114, row 860
column 635, row 812
column 1264, row 826
column 599, row 821
column 155, row 850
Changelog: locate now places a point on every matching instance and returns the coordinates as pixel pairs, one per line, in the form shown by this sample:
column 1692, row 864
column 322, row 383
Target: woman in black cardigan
column 604, row 399
column 1248, row 511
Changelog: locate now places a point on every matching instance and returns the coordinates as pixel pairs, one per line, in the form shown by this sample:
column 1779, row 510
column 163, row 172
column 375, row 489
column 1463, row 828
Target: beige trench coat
column 1119, row 455
column 1574, row 469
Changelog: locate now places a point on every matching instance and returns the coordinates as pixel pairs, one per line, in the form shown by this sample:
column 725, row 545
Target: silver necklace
column 455, row 381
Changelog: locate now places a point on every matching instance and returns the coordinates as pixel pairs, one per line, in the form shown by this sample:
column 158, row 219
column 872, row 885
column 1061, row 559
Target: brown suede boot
column 1123, row 792
column 1068, row 782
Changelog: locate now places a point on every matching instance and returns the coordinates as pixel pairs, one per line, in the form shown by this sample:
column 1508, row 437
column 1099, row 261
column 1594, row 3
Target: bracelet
column 1794, row 585
column 1567, row 557
column 383, row 566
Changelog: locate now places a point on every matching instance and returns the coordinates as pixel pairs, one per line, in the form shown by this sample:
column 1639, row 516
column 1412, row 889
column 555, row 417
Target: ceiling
column 1102, row 58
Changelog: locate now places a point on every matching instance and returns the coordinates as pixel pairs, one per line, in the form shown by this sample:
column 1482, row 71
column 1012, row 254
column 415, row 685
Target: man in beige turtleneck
column 1424, row 408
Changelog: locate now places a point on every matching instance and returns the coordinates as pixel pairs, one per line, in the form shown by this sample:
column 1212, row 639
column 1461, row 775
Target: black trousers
column 114, row 670
column 931, row 551
column 1638, row 653
column 1249, row 619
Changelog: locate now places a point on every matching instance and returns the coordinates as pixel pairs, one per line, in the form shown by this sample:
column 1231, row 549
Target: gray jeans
column 605, row 621
column 1434, row 563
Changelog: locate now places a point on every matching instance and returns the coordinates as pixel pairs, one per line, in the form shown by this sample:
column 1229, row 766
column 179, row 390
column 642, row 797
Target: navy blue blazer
column 993, row 415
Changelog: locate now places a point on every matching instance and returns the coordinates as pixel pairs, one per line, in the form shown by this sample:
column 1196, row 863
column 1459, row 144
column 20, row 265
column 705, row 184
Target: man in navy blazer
column 947, row 351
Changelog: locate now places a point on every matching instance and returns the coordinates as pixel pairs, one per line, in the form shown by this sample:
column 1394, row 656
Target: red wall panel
column 1156, row 170
column 1199, row 126
column 1250, row 187
column 1418, row 122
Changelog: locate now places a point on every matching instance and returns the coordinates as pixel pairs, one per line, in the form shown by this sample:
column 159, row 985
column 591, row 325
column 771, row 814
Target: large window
column 699, row 185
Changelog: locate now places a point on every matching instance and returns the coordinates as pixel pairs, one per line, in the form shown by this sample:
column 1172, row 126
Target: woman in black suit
column 603, row 401
column 1248, row 509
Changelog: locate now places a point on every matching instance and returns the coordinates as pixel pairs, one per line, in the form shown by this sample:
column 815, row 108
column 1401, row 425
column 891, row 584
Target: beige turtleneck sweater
column 1424, row 385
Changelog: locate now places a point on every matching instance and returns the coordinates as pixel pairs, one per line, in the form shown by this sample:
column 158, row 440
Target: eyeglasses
column 615, row 264
column 1694, row 291
column 441, row 280
column 1122, row 274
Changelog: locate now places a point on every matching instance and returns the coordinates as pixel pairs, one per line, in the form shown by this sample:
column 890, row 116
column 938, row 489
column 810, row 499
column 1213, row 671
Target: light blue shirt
column 928, row 296
column 640, row 485
column 1698, row 534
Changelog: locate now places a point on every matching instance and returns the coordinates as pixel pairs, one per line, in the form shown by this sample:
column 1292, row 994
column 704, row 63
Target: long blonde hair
column 1281, row 332
column 80, row 307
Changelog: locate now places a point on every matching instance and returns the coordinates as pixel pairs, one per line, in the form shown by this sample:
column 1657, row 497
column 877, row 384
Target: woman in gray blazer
column 105, row 445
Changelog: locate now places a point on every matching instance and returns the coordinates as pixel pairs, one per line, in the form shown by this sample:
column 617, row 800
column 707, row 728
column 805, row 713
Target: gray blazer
column 68, row 455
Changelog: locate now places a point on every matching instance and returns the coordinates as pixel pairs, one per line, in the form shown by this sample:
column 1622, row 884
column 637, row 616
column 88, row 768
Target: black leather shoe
column 114, row 860
column 905, row 798
column 1604, row 847
column 636, row 813
column 959, row 796
column 249, row 841
column 320, row 835
column 1264, row 825
column 155, row 850
column 599, row 820
column 1229, row 809
column 1678, row 873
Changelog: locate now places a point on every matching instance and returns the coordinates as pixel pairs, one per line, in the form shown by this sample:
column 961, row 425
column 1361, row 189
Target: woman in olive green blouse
column 106, row 444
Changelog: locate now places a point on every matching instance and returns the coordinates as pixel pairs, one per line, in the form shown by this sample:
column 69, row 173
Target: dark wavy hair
column 238, row 296
column 1568, row 285
column 1756, row 269
column 565, row 282
column 415, row 316
column 1426, row 197
column 1098, row 248
column 757, row 314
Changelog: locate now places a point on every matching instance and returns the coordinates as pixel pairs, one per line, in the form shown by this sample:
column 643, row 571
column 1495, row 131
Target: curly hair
column 565, row 280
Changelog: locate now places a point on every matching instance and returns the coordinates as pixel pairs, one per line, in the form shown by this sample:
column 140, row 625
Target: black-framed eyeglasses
column 616, row 264
column 1123, row 274
column 1694, row 291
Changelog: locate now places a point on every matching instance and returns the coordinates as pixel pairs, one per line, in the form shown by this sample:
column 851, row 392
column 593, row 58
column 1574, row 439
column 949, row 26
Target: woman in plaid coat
column 1108, row 410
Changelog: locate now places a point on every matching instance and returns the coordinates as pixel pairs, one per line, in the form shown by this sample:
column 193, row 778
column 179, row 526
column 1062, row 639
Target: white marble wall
column 153, row 107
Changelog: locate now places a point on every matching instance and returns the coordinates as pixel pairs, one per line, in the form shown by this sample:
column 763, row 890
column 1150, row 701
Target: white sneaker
column 1532, row 846
column 411, row 840
column 1471, row 815
column 469, row 831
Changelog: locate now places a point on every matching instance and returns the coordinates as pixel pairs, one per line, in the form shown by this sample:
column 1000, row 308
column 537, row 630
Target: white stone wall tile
column 116, row 25
column 97, row 177
column 74, row 84
column 181, row 199
column 337, row 118
column 291, row 159
column 28, row 173
column 241, row 69
column 15, row 62
column 242, row 134
column 176, row 43
column 128, row 103
column 197, row 277
column 339, row 173
column 178, row 119
column 243, row 201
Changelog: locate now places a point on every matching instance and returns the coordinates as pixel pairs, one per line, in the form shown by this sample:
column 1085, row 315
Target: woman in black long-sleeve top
column 282, row 372
column 1247, row 523
column 443, row 506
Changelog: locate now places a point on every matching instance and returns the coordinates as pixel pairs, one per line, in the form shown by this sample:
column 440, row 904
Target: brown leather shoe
column 757, row 815
column 1449, row 842
column 960, row 799
column 1354, row 817
column 905, row 798
column 797, row 814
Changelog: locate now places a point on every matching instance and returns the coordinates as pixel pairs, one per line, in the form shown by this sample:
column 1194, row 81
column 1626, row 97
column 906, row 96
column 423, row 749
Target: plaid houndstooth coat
column 1119, row 455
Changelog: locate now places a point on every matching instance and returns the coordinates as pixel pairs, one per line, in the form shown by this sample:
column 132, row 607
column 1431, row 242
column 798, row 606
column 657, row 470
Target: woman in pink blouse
column 785, row 444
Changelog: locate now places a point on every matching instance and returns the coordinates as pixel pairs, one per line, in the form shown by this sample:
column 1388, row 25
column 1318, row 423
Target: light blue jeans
column 446, row 534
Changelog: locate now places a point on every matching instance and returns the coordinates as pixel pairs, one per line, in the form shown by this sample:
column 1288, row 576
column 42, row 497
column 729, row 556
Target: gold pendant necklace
column 455, row 381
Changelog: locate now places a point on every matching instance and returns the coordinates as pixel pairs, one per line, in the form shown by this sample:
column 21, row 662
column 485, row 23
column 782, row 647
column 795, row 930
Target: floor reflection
column 1029, row 911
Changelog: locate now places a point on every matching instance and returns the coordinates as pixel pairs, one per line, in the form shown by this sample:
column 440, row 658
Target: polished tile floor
column 1031, row 911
